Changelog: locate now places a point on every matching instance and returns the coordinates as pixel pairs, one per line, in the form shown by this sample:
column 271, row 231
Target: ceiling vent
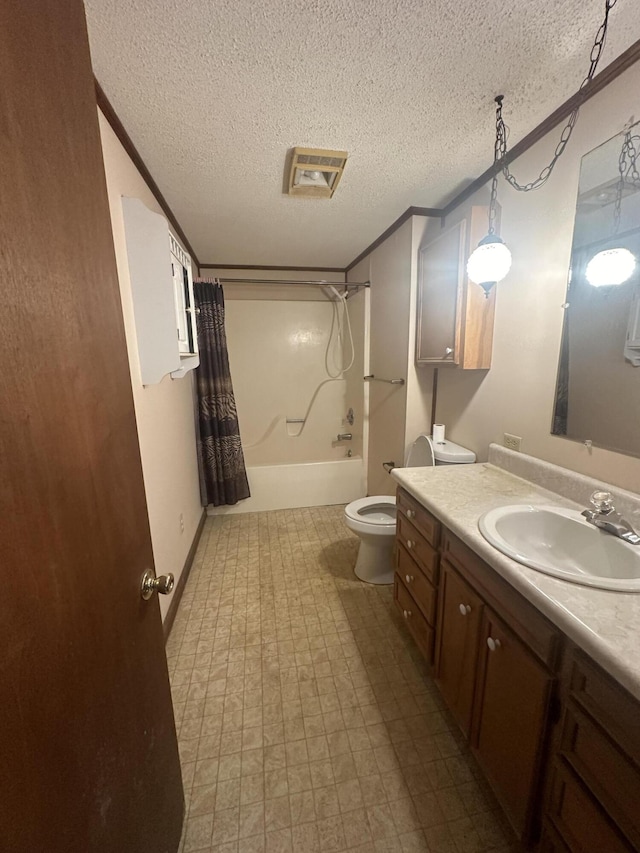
column 315, row 173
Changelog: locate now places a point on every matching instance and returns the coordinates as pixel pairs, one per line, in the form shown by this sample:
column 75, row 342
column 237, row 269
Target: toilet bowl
column 373, row 519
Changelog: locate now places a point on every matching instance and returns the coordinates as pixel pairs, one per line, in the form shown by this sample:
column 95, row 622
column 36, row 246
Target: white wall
column 164, row 412
column 517, row 394
column 277, row 338
column 397, row 414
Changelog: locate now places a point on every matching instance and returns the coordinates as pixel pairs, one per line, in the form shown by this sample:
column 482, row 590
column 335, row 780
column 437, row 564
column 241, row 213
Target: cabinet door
column 458, row 632
column 440, row 283
column 510, row 718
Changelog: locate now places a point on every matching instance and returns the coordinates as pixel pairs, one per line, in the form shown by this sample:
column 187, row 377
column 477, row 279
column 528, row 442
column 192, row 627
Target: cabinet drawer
column 617, row 712
column 419, row 516
column 418, row 626
column 609, row 774
column 417, row 545
column 540, row 635
column 422, row 591
column 575, row 814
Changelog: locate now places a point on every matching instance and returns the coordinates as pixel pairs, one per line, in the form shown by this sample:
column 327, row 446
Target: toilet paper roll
column 438, row 433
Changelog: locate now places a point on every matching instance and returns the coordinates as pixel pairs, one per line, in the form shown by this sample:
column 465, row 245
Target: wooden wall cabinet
column 454, row 318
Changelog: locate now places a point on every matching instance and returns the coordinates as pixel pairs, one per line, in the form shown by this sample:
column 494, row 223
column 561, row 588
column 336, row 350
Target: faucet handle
column 602, row 502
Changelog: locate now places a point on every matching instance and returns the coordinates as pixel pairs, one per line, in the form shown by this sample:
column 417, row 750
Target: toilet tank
column 448, row 453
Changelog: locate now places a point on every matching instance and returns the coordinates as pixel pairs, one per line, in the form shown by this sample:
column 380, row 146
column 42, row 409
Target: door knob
column 150, row 584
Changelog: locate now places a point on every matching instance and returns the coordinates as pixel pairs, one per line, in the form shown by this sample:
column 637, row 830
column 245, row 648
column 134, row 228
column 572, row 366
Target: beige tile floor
column 306, row 721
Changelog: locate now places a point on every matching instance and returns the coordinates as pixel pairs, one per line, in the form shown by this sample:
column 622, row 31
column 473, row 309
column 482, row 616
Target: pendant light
column 612, row 267
column 490, row 262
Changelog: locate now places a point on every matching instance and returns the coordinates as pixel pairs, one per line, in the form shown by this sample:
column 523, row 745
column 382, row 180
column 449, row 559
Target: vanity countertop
column 605, row 624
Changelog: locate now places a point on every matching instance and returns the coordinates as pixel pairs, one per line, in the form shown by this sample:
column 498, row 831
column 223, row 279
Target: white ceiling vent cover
column 314, row 172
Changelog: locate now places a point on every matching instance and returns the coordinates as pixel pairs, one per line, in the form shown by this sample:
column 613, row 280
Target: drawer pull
column 465, row 609
column 410, row 544
column 493, row 644
column 411, row 513
column 407, row 614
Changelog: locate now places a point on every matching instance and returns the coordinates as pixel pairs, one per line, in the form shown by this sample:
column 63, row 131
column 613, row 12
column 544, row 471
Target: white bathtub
column 303, row 484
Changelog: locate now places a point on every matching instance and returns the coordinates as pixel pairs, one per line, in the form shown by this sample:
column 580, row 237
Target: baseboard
column 167, row 625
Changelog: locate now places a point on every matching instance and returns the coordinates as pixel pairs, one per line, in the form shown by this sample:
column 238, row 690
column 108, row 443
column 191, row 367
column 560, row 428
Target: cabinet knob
column 407, row 614
column 410, row 544
column 408, row 578
column 411, row 513
column 465, row 609
column 448, row 351
column 493, row 644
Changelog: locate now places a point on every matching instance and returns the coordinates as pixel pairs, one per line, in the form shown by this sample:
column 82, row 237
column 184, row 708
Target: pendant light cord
column 502, row 131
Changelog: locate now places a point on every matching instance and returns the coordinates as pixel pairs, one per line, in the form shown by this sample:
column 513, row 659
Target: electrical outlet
column 513, row 442
column 181, row 523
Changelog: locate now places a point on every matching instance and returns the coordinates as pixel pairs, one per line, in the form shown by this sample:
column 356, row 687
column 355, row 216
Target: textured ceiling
column 213, row 94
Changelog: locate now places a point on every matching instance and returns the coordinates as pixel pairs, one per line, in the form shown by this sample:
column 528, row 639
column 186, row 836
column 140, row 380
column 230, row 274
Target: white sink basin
column 560, row 542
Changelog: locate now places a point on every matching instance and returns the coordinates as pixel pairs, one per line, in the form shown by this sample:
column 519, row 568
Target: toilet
column 374, row 518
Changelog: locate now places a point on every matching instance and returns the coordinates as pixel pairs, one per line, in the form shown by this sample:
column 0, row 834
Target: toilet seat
column 376, row 511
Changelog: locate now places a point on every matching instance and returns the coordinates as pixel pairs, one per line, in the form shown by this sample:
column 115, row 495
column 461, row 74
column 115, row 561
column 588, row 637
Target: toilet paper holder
column 388, row 466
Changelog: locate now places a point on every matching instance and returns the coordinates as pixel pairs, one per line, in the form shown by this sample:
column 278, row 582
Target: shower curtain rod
column 316, row 282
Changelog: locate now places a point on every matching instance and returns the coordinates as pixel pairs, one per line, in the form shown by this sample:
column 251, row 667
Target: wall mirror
column 598, row 386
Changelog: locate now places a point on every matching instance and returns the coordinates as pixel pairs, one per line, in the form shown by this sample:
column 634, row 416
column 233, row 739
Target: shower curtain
column 223, row 477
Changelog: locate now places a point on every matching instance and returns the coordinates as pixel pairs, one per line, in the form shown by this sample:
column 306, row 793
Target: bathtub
column 301, row 484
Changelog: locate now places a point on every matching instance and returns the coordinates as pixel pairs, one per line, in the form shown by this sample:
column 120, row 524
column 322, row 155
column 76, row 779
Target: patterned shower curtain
column 223, row 477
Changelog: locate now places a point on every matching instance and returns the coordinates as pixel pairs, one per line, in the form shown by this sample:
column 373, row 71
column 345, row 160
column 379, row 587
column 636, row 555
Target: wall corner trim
column 167, row 625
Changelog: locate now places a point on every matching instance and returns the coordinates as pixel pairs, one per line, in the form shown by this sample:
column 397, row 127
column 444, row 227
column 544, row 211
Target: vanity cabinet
column 460, row 620
column 496, row 662
column 557, row 737
column 417, row 571
column 454, row 318
column 495, row 657
column 510, row 719
column 593, row 790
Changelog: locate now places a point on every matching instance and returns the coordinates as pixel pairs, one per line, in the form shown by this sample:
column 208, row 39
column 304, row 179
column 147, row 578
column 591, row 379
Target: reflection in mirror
column 598, row 388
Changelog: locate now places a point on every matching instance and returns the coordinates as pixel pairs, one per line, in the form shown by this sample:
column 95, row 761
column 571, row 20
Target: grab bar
column 390, row 381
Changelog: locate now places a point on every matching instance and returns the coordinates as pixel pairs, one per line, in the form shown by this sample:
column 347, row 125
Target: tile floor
column 305, row 719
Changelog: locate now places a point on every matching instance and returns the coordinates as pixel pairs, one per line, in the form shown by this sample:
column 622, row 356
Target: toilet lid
column 420, row 453
column 453, row 454
column 377, row 509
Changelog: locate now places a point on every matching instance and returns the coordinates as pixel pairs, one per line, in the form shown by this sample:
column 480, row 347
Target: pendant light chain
column 627, row 171
column 502, row 130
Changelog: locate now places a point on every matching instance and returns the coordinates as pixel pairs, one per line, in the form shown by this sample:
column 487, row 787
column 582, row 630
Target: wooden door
column 510, row 717
column 458, row 631
column 88, row 754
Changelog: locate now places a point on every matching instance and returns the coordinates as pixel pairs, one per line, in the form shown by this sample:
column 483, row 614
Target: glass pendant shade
column 611, row 267
column 489, row 262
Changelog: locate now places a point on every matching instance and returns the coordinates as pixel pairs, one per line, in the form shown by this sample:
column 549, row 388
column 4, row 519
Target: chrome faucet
column 604, row 516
